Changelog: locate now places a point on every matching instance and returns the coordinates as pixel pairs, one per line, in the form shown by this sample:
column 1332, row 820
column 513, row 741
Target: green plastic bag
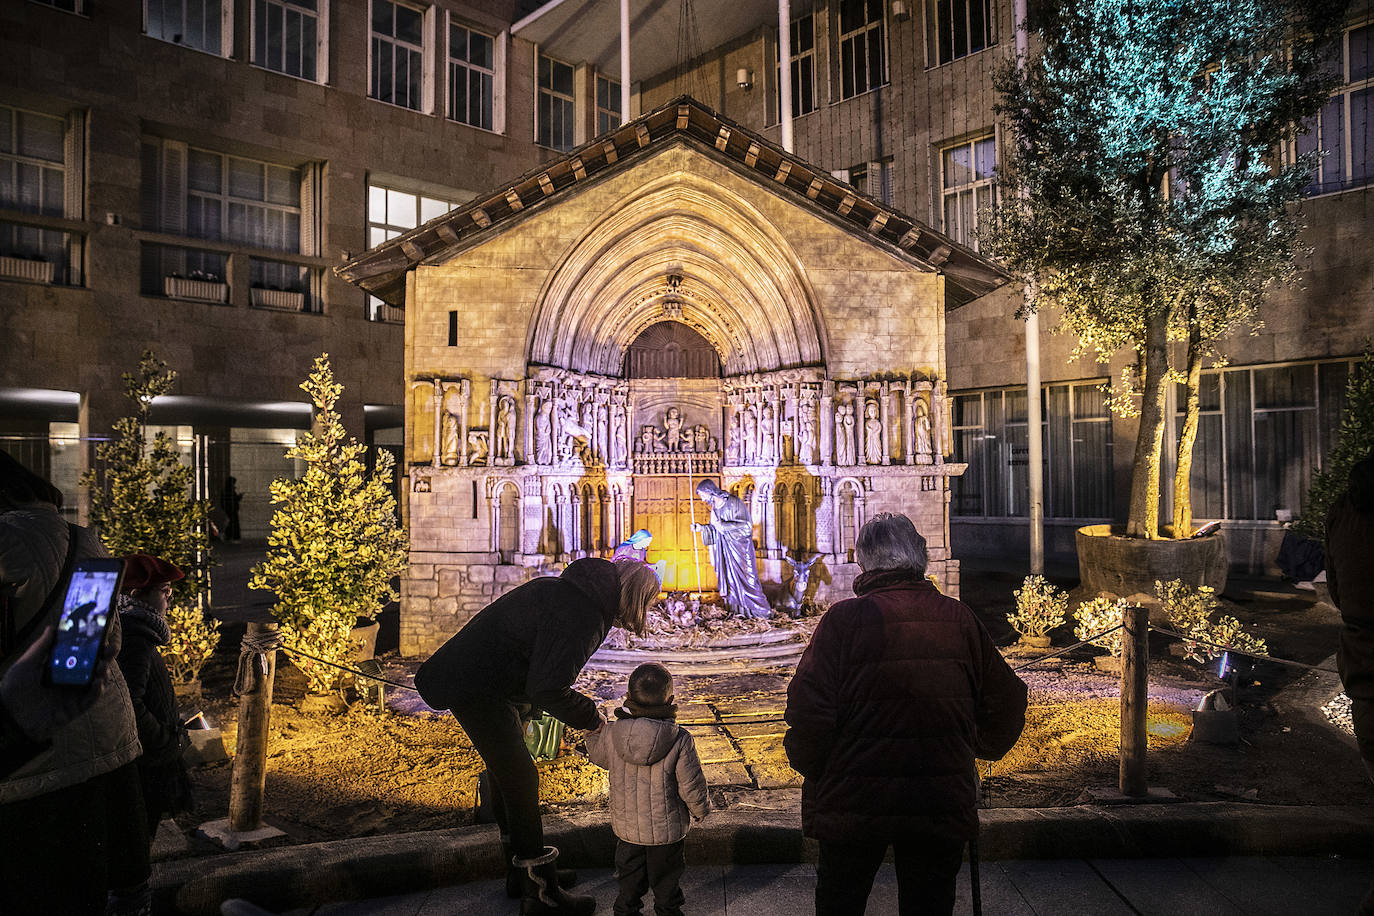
column 543, row 737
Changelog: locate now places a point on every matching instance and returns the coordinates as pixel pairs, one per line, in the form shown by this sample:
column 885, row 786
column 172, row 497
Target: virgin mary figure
column 729, row 537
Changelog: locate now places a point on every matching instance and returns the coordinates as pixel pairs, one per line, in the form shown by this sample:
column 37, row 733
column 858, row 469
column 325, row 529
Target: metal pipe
column 785, row 73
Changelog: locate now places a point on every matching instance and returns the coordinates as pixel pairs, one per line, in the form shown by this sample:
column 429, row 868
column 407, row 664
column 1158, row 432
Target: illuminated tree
column 1354, row 441
column 1146, row 201
column 336, row 543
column 145, row 506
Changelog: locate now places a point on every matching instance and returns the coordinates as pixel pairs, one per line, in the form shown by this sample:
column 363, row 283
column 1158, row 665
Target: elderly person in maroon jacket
column 519, row 655
column 898, row 692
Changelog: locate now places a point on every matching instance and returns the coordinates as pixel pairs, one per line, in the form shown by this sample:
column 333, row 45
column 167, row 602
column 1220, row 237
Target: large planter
column 1109, row 563
column 27, row 269
column 198, row 290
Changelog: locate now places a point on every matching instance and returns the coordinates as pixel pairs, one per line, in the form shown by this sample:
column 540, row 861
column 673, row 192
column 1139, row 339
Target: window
column 607, row 105
column 286, row 36
column 862, row 47
column 873, row 179
column 398, row 54
column 990, row 434
column 1344, row 129
column 391, row 213
column 471, row 77
column 803, row 59
column 968, row 186
column 67, row 6
column 243, row 201
column 1262, row 432
column 554, row 104
column 39, row 174
column 958, row 28
column 199, row 24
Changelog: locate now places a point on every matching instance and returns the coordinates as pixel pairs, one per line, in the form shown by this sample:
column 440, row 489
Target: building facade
column 187, row 174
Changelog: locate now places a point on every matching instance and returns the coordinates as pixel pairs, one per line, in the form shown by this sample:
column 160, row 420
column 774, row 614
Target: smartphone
column 88, row 608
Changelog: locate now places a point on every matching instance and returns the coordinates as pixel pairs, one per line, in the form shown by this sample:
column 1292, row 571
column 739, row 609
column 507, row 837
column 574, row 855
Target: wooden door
column 665, row 504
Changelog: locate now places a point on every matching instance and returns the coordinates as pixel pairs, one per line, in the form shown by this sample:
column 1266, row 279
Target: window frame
column 375, row 309
column 606, row 114
column 843, row 39
column 810, row 56
column 1343, row 97
column 931, row 12
column 48, row 227
column 498, row 66
column 977, row 185
column 426, row 52
column 570, row 100
column 78, row 7
column 321, row 16
column 226, row 29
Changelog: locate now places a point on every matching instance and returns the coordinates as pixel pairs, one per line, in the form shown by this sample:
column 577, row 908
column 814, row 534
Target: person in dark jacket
column 144, row 598
column 1350, row 579
column 518, row 655
column 898, row 692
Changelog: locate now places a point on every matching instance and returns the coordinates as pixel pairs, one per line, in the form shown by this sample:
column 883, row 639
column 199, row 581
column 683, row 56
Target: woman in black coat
column 520, row 655
column 143, row 602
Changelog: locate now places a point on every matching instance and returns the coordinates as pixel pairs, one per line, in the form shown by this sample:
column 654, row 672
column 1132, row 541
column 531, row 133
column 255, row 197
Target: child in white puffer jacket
column 657, row 790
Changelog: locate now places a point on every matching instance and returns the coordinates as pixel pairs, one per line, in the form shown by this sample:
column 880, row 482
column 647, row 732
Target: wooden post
column 249, row 775
column 1135, row 677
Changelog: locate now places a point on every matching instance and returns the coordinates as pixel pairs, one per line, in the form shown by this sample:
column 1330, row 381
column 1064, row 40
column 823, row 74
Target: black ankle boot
column 541, row 895
column 515, row 876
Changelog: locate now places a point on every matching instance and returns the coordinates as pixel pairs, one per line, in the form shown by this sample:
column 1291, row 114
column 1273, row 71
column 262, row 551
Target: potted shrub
column 145, row 506
column 335, row 546
column 1040, row 607
column 1147, row 208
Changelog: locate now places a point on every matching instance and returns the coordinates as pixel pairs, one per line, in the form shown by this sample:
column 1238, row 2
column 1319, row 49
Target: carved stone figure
column 921, row 424
column 873, row 433
column 806, row 432
column 505, row 428
column 602, row 414
column 749, row 441
column 702, row 437
column 454, row 406
column 729, row 538
column 844, row 434
column 543, row 433
column 941, row 436
column 478, row 446
column 672, row 430
column 650, row 441
column 767, row 435
column 618, row 444
column 573, row 437
column 732, row 439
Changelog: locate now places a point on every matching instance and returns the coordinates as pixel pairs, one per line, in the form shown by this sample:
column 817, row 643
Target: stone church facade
column 678, row 300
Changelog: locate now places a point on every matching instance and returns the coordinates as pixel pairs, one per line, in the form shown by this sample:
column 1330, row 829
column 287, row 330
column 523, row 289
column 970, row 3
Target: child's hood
column 643, row 742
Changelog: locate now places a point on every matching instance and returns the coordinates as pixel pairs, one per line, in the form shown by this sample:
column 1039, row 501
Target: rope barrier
column 1077, row 645
column 353, row 671
column 1266, row 658
column 253, row 660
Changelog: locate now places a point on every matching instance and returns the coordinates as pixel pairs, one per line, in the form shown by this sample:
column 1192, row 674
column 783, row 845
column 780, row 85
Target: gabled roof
column 381, row 271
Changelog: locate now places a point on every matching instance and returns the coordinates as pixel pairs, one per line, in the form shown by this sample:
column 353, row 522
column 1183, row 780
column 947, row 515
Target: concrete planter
column 1113, row 564
column 27, row 269
column 283, row 299
column 199, row 290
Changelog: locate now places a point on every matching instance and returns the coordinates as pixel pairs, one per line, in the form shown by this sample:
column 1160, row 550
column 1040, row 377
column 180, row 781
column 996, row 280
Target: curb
column 298, row 876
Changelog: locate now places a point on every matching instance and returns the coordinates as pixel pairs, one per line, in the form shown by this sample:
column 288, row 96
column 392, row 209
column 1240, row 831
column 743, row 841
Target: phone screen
column 87, row 610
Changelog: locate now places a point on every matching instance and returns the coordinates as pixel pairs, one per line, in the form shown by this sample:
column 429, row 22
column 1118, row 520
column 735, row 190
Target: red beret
column 143, row 570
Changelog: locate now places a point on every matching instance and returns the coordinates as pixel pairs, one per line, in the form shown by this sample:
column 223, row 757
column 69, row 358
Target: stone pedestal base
column 231, row 839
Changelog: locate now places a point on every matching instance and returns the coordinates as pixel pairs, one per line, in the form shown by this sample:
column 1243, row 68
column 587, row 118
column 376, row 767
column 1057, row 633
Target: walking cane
column 692, row 510
column 975, row 885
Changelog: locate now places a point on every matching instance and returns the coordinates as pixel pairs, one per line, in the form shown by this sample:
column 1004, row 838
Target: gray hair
column 890, row 541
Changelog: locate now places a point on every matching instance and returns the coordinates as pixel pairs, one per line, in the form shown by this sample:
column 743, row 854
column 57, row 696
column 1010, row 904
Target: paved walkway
column 1250, row 886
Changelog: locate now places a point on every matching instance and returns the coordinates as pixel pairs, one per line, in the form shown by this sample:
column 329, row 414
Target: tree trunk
column 1142, row 520
column 1183, row 473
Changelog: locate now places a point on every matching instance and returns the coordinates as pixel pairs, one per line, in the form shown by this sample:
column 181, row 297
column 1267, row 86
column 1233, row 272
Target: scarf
column 875, row 579
column 135, row 611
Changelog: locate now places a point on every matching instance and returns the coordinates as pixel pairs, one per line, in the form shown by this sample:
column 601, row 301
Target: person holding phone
column 144, row 598
column 69, row 792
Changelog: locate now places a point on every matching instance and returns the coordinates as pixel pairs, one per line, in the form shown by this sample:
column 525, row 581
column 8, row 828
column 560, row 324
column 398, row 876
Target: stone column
column 885, row 414
column 826, row 422
column 860, row 424
column 100, row 406
column 492, row 396
column 825, row 517
column 529, row 424
column 909, row 422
